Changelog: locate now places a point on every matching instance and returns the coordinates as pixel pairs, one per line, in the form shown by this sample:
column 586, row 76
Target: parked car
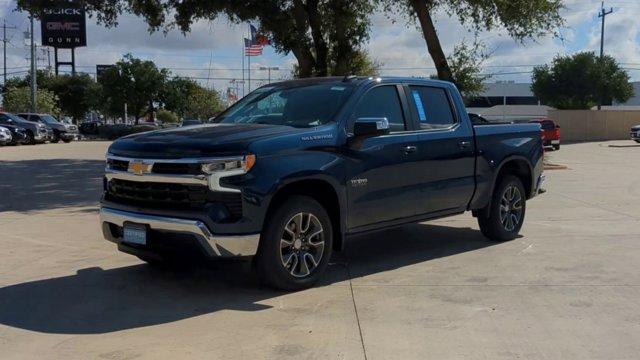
column 5, row 136
column 295, row 169
column 18, row 134
column 90, row 127
column 190, row 122
column 635, row 133
column 56, row 130
column 36, row 133
column 550, row 132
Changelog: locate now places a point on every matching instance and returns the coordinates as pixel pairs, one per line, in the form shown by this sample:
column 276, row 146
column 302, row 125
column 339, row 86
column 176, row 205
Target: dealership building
column 511, row 101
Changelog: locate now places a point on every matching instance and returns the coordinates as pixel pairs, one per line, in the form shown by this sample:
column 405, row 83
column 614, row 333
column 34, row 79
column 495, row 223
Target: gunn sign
column 64, row 27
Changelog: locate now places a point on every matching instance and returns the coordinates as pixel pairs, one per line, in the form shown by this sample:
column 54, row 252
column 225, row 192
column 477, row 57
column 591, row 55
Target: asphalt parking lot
column 569, row 288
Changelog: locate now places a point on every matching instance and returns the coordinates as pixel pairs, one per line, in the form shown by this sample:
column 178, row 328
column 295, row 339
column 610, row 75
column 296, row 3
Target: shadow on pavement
column 33, row 185
column 98, row 301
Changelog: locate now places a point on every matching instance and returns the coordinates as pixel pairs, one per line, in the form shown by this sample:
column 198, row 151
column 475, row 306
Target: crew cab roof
column 357, row 81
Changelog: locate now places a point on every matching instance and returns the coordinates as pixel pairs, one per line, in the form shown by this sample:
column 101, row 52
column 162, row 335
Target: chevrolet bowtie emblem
column 139, row 167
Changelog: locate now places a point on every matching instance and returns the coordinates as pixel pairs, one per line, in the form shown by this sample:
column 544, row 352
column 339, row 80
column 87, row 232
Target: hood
column 195, row 141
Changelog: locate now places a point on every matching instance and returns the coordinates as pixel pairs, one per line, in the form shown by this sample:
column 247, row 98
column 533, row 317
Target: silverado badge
column 139, row 167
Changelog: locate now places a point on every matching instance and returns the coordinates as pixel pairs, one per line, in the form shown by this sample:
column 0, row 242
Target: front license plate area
column 135, row 234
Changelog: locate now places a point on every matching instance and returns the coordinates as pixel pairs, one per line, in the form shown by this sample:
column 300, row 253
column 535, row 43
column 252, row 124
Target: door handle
column 409, row 149
column 464, row 144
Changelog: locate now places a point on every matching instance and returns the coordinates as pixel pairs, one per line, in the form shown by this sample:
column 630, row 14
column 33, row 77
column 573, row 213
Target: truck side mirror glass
column 371, row 126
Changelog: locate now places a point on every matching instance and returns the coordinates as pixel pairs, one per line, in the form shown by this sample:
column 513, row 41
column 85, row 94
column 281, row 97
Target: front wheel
column 296, row 245
column 30, row 140
column 506, row 212
column 556, row 147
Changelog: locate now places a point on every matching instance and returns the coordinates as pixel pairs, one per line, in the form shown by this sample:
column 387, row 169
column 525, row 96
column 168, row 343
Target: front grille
column 118, row 165
column 159, row 167
column 176, row 168
column 171, row 196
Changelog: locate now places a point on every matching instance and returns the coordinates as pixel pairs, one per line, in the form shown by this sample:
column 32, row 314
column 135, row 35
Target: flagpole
column 249, row 60
column 243, row 54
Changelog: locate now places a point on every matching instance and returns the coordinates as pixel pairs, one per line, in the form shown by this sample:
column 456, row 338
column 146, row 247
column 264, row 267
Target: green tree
column 176, row 94
column 317, row 32
column 43, row 78
column 167, row 116
column 465, row 64
column 77, row 94
column 136, row 82
column 203, row 104
column 579, row 81
column 18, row 99
column 522, row 19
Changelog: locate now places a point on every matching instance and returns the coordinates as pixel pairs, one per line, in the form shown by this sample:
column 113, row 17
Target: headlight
column 224, row 167
column 236, row 165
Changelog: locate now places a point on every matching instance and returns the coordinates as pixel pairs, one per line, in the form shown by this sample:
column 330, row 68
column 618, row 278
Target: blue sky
column 213, row 49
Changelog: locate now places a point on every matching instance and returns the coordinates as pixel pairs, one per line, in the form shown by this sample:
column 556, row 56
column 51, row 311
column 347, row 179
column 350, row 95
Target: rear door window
column 433, row 107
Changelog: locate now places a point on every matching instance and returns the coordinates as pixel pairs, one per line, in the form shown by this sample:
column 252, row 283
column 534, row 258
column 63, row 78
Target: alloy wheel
column 511, row 208
column 302, row 244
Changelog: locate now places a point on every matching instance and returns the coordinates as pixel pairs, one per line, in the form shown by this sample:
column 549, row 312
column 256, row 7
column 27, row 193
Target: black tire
column 638, row 141
column 492, row 224
column 66, row 141
column 281, row 267
column 556, row 147
column 30, row 140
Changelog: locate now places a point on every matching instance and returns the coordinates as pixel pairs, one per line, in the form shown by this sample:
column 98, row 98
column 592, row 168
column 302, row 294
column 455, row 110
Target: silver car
column 635, row 133
column 5, row 136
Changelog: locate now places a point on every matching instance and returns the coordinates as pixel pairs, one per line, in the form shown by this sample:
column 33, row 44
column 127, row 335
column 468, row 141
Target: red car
column 550, row 132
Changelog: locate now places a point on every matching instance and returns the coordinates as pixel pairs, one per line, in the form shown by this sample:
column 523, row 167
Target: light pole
column 269, row 68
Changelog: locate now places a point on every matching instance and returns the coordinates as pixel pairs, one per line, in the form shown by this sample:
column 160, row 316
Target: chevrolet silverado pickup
column 295, row 169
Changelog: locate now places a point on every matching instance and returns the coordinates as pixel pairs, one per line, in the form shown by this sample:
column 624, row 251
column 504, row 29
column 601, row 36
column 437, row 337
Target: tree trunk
column 431, row 37
column 320, row 45
column 343, row 48
column 306, row 61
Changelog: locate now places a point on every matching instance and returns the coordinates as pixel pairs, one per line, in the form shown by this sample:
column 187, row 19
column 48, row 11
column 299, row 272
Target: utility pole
column 4, row 47
column 34, row 75
column 603, row 14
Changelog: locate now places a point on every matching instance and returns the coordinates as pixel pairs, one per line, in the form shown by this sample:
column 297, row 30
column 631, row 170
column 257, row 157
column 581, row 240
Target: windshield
column 15, row 118
column 49, row 119
column 302, row 106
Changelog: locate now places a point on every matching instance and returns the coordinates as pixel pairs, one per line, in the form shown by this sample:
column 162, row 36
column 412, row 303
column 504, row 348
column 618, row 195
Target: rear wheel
column 556, row 147
column 296, row 245
column 506, row 212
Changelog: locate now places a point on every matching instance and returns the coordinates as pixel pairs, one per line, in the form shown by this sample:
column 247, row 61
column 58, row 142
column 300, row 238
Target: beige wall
column 591, row 125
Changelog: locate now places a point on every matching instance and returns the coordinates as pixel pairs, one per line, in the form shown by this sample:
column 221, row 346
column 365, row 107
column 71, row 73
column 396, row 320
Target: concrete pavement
column 569, row 288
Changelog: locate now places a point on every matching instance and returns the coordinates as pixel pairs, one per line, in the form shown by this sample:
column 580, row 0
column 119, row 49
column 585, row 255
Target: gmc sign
column 64, row 27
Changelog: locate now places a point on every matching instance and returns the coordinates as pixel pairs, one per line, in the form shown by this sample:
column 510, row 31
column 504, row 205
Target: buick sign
column 64, row 27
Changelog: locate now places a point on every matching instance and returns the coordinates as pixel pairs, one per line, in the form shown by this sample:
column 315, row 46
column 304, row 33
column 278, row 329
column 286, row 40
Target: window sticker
column 418, row 101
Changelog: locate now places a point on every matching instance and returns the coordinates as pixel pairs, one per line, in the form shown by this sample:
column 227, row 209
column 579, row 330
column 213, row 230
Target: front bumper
column 635, row 135
column 68, row 136
column 211, row 245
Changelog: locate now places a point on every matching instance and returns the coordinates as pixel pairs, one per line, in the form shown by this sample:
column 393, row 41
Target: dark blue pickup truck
column 290, row 172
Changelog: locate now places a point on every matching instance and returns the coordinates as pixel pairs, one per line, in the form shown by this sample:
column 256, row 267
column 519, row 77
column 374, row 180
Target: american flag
column 251, row 48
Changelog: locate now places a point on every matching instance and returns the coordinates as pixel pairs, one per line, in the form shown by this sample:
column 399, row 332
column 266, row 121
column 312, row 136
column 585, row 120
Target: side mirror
column 365, row 127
